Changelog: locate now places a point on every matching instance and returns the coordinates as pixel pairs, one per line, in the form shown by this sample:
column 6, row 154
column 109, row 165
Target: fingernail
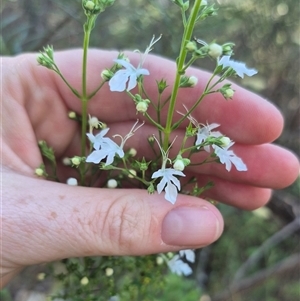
column 190, row 226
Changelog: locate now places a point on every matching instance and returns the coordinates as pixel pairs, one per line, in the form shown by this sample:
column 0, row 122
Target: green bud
column 40, row 172
column 208, row 11
column 151, row 189
column 161, row 85
column 141, row 104
column 151, row 140
column 143, row 165
column 191, row 46
column 76, row 160
column 72, row 115
column 215, row 50
column 186, row 5
column 47, row 151
column 225, row 141
column 142, row 107
column 228, row 48
column 190, row 130
column 106, row 75
column 180, row 163
column 227, row 91
column 188, row 81
column 89, row 5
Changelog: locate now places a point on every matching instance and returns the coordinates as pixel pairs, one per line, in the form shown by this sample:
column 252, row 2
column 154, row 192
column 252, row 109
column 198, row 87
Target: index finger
column 247, row 118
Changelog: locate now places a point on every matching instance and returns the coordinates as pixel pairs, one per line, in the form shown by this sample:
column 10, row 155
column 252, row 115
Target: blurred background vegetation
column 258, row 256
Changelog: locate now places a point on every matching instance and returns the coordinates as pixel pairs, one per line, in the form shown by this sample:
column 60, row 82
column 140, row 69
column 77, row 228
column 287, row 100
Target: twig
column 284, row 266
column 274, row 240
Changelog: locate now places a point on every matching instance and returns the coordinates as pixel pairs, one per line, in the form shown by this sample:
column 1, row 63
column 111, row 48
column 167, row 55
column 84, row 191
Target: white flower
column 206, row 131
column 104, row 148
column 189, row 255
column 228, row 158
column 239, row 67
column 129, row 74
column 168, row 182
column 108, row 150
column 179, row 267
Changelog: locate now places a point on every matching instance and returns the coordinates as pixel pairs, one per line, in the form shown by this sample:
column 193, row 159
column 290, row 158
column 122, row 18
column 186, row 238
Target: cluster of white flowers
column 106, row 148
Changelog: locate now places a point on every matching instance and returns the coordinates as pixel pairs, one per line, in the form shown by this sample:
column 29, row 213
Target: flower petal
column 171, row 193
column 118, row 82
column 132, row 81
column 239, row 67
column 96, row 156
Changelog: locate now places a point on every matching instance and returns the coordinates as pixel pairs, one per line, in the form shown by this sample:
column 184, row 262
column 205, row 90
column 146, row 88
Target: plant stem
column 88, row 26
column 187, row 35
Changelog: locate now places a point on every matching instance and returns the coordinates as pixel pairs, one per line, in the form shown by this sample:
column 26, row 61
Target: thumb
column 44, row 221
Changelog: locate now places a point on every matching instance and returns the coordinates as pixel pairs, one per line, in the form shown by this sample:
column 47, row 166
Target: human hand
column 44, row 221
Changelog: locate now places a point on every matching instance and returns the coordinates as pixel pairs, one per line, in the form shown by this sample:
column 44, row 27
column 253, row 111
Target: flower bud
column 228, row 48
column 84, row 281
column 109, row 272
column 186, row 5
column 193, row 80
column 225, row 141
column 106, row 75
column 215, row 50
column 228, row 93
column 76, row 160
column 39, row 172
column 151, row 189
column 159, row 260
column 132, row 152
column 89, row 5
column 94, row 122
column 161, row 85
column 188, row 82
column 72, row 182
column 72, row 115
column 66, row 161
column 191, row 46
column 180, row 163
column 112, row 183
column 131, row 174
column 142, row 107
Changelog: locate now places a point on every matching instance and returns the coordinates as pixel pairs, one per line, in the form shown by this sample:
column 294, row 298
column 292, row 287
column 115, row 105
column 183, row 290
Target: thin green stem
column 75, row 92
column 96, row 90
column 88, row 26
column 187, row 35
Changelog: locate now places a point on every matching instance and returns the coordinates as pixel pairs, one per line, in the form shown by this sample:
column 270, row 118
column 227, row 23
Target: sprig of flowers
column 118, row 162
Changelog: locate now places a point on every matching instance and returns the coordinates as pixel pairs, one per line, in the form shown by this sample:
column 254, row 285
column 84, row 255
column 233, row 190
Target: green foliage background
column 267, row 36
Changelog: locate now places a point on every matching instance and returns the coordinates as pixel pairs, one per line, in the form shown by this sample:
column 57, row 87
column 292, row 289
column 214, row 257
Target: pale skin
column 43, row 221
